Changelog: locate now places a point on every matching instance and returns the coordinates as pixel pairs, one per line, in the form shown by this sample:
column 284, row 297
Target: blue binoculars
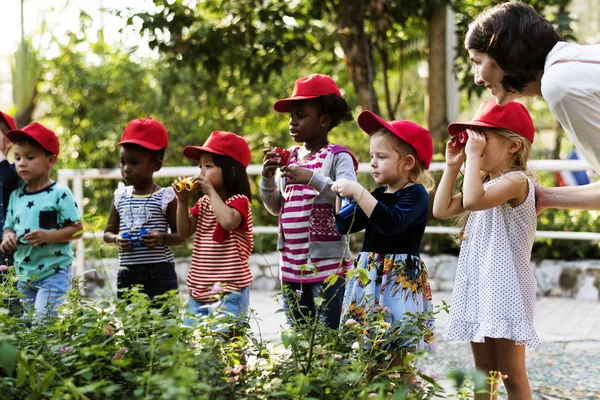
column 348, row 207
column 135, row 239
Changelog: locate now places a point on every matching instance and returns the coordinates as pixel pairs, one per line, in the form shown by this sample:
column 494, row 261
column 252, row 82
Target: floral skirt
column 395, row 285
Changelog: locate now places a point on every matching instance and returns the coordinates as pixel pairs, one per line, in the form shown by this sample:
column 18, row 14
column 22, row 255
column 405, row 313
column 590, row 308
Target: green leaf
column 22, row 368
column 8, row 357
column 47, row 380
column 331, row 279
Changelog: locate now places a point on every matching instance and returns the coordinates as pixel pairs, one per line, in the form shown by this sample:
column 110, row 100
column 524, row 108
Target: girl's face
column 32, row 163
column 496, row 155
column 306, row 124
column 386, row 164
column 137, row 166
column 210, row 171
column 489, row 74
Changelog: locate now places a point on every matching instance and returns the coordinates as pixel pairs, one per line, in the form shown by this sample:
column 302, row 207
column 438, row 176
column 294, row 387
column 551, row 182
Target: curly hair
column 334, row 106
column 517, row 38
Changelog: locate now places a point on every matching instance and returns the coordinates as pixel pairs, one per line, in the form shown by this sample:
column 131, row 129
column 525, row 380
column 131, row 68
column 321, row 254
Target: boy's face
column 137, row 166
column 32, row 163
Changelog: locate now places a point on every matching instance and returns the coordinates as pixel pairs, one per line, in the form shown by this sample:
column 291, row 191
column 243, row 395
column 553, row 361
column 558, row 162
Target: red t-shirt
column 219, row 255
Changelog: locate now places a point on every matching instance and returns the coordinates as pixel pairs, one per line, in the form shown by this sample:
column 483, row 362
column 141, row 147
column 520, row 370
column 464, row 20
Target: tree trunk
column 436, row 106
column 357, row 52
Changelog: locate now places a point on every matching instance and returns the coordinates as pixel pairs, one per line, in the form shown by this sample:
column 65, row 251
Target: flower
column 355, row 346
column 338, row 356
column 299, row 292
column 216, row 288
column 386, row 325
column 387, row 310
column 66, row 349
column 109, row 330
column 238, row 369
column 3, row 267
column 350, row 322
column 373, row 395
column 120, row 353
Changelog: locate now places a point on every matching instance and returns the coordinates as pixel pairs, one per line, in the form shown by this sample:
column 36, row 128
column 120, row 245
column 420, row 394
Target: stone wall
column 577, row 279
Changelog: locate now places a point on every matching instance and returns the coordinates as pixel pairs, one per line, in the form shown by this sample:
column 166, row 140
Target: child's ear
column 515, row 146
column 157, row 165
column 52, row 160
column 409, row 162
column 325, row 121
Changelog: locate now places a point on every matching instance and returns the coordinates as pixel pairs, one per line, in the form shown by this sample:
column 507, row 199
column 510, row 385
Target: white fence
column 76, row 178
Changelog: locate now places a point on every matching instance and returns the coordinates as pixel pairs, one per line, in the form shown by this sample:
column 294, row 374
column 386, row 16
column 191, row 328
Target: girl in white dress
column 494, row 291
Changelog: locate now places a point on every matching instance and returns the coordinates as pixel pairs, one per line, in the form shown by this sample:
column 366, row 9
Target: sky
column 59, row 17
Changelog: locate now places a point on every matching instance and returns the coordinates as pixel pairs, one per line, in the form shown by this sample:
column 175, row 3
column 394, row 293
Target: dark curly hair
column 333, row 105
column 517, row 38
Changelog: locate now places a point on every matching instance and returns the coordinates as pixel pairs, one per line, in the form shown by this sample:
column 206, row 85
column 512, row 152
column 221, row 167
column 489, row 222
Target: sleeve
column 346, row 225
column 270, row 194
column 343, row 167
column 68, row 211
column 168, row 197
column 119, row 191
column 195, row 211
column 394, row 220
column 241, row 204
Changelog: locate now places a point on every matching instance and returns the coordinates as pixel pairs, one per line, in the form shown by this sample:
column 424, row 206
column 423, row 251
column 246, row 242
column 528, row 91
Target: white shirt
column 572, row 91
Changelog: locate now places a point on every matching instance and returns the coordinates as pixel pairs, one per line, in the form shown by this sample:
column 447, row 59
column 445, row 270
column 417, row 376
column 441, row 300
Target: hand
column 152, row 239
column 9, row 241
column 124, row 244
column 36, row 237
column 455, row 154
column 347, row 188
column 296, row 175
column 475, row 144
column 184, row 194
column 271, row 161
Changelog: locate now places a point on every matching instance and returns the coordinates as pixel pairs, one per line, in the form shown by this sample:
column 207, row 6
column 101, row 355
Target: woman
column 516, row 53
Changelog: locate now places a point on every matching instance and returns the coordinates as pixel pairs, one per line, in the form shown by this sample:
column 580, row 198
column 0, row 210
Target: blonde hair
column 520, row 160
column 418, row 173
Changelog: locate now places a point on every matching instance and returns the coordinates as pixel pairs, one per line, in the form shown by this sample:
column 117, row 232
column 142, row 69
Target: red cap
column 10, row 121
column 38, row 132
column 224, row 143
column 512, row 116
column 147, row 133
column 410, row 132
column 308, row 87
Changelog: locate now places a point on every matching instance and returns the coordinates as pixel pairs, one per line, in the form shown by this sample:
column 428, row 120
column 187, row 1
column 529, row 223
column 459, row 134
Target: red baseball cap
column 410, row 132
column 10, row 121
column 512, row 116
column 308, row 87
column 38, row 132
column 146, row 132
column 224, row 143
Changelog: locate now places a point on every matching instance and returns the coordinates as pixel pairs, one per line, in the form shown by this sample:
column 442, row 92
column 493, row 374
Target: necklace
column 141, row 214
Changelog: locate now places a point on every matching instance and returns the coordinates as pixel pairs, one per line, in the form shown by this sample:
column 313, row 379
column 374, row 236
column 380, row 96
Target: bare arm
column 445, row 204
column 70, row 232
column 585, row 197
column 228, row 217
column 185, row 221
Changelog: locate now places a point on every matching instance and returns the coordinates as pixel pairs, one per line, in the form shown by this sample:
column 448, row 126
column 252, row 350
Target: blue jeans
column 44, row 296
column 231, row 303
column 299, row 302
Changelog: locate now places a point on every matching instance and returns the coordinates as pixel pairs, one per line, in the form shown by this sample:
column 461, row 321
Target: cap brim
column 285, row 105
column 16, row 134
column 149, row 146
column 193, row 152
column 10, row 121
column 457, row 127
column 370, row 123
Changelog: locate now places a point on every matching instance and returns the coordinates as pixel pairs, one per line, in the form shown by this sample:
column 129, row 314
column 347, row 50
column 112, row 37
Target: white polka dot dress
column 494, row 288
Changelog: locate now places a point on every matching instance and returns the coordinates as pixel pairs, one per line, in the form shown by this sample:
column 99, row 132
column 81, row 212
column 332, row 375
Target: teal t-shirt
column 47, row 209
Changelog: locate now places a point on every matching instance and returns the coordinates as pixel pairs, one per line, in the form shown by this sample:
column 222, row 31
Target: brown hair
column 517, row 38
column 418, row 173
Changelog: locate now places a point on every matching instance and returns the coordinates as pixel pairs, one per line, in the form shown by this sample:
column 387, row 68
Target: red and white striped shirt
column 298, row 201
column 218, row 255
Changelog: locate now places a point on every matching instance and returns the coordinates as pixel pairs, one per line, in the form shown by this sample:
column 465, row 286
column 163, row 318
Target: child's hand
column 346, row 188
column 152, row 239
column 475, row 144
column 455, row 154
column 296, row 175
column 124, row 244
column 9, row 241
column 271, row 161
column 36, row 237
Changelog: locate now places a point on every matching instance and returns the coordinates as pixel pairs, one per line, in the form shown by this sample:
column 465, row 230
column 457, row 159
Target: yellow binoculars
column 185, row 184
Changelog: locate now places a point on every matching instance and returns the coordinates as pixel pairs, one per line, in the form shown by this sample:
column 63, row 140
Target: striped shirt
column 224, row 260
column 143, row 211
column 298, row 202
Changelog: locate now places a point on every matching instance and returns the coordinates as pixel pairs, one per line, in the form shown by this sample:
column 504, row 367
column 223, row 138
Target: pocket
column 322, row 224
column 49, row 219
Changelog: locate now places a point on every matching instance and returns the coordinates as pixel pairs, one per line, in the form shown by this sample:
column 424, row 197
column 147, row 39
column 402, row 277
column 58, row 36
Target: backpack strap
column 336, row 148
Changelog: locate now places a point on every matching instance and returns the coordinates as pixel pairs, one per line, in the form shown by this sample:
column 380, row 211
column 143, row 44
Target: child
column 494, row 290
column 394, row 217
column 302, row 198
column 219, row 277
column 42, row 219
column 9, row 179
column 143, row 212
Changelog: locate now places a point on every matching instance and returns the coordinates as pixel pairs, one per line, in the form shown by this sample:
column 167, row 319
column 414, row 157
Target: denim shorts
column 44, row 296
column 234, row 304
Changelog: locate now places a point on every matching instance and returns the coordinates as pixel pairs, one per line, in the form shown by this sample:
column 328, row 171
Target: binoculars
column 185, row 184
column 135, row 239
column 284, row 154
column 348, row 207
column 460, row 138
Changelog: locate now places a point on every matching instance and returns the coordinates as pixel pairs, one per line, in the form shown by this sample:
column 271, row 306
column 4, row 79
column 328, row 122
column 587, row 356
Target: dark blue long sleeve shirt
column 9, row 181
column 397, row 223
